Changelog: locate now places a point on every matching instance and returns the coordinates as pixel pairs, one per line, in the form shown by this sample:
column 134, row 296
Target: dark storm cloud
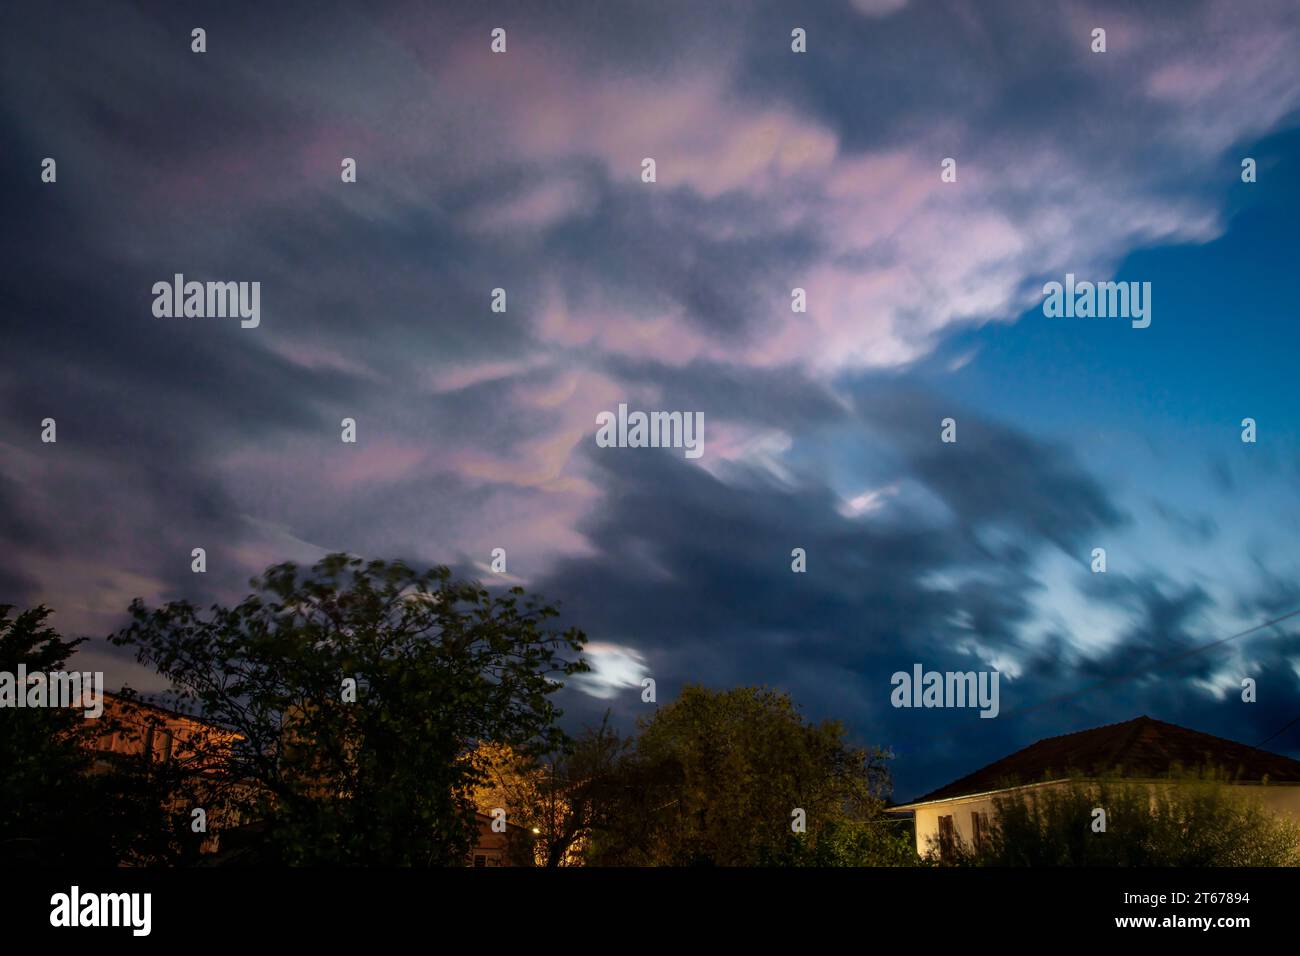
column 1194, row 529
column 695, row 573
column 769, row 397
column 662, row 255
column 993, row 473
column 1166, row 618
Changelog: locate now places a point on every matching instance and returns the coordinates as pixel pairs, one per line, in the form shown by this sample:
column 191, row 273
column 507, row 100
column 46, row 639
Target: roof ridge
column 1132, row 734
column 1226, row 740
column 1118, row 755
column 1041, row 740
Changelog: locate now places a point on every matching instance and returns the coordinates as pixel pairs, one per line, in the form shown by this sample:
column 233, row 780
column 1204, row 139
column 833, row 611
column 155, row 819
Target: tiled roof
column 1142, row 747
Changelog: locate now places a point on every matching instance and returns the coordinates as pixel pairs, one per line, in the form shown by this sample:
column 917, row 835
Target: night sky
column 775, row 170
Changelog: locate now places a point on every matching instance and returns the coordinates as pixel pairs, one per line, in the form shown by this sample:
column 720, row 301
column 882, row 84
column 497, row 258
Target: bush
column 1186, row 820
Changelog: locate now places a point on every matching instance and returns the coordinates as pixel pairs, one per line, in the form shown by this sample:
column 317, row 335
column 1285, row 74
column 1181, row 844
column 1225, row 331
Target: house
column 1142, row 749
column 140, row 729
column 513, row 847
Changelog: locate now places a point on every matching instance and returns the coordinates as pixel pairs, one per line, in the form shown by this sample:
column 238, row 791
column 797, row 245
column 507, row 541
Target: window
column 979, row 828
column 947, row 837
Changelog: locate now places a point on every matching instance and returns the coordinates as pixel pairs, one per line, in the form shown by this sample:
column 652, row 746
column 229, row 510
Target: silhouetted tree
column 387, row 777
column 561, row 797
column 717, row 777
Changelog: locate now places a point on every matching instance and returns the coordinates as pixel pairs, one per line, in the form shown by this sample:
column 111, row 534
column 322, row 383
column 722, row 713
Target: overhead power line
column 1158, row 664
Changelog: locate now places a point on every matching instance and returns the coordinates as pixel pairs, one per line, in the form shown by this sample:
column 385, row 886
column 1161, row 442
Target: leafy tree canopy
column 718, row 775
column 359, row 690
